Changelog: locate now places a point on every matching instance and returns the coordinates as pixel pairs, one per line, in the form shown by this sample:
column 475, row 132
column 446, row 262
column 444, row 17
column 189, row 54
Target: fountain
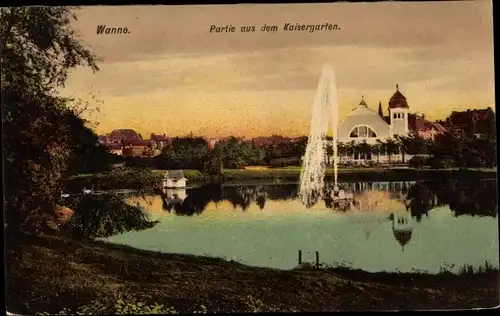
column 313, row 167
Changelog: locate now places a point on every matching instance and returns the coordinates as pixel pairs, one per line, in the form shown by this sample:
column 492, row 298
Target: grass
column 354, row 174
column 49, row 274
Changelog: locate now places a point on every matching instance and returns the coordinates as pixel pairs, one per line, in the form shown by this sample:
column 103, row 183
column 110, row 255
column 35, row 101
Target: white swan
column 86, row 191
column 64, row 195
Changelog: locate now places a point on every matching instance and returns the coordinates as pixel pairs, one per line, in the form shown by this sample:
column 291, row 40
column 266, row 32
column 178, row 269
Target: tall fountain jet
column 325, row 106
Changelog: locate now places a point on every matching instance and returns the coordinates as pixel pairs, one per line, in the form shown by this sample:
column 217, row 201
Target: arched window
column 363, row 131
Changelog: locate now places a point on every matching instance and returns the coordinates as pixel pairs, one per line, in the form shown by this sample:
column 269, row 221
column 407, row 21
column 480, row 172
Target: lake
column 447, row 224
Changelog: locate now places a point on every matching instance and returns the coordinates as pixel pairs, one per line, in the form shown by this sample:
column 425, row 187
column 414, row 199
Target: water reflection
column 476, row 198
column 265, row 225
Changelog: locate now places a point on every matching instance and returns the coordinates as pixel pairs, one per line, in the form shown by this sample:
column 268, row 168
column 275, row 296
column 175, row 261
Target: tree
column 38, row 50
column 184, row 153
column 350, row 148
column 380, row 112
column 341, row 149
column 413, row 144
column 447, row 150
column 405, row 143
column 379, row 147
column 365, row 149
column 329, row 153
column 391, row 147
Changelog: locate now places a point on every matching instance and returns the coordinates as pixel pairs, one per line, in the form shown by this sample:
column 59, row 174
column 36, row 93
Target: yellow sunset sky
column 170, row 75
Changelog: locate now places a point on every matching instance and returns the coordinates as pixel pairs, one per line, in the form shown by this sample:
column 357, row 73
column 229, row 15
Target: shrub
column 417, row 162
column 104, row 215
column 442, row 163
column 136, row 179
column 284, row 162
column 139, row 162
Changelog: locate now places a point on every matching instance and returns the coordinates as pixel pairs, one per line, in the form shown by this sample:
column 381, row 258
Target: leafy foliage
column 104, row 215
column 45, row 138
column 236, row 154
column 38, row 50
column 143, row 180
column 183, row 153
column 417, row 162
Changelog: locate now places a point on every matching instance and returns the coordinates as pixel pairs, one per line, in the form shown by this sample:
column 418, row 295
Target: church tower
column 398, row 113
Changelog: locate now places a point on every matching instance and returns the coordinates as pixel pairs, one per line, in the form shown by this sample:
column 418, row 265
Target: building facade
column 127, row 142
column 364, row 124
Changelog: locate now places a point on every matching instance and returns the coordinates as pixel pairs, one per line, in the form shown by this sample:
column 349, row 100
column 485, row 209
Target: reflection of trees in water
column 240, row 196
column 472, row 197
column 419, row 201
column 464, row 197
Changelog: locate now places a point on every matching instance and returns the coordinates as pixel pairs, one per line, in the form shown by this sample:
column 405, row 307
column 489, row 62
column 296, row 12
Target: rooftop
column 398, row 100
column 174, row 174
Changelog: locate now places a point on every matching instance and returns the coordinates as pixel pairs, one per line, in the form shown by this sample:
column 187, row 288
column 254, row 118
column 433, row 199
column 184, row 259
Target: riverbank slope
column 47, row 274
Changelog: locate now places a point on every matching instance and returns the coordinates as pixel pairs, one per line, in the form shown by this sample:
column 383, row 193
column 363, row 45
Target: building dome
column 362, row 115
column 398, row 100
column 402, row 228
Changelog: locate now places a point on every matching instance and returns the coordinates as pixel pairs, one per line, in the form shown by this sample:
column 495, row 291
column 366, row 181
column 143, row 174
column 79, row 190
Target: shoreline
column 130, row 179
column 185, row 282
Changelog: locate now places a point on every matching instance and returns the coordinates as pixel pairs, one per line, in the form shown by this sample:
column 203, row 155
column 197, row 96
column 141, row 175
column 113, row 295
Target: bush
column 139, row 162
column 417, row 162
column 442, row 163
column 284, row 162
column 104, row 215
column 136, row 179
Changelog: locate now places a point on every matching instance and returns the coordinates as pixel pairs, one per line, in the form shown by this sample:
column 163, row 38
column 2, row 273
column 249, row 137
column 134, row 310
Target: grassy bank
column 358, row 174
column 49, row 274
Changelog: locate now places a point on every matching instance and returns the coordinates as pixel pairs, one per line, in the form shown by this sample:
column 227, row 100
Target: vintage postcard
column 249, row 158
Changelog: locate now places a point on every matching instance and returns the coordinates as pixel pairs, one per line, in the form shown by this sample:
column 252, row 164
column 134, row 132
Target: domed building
column 366, row 124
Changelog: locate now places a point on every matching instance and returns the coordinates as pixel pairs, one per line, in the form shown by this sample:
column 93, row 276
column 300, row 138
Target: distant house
column 129, row 135
column 128, row 143
column 424, row 128
column 159, row 141
column 114, row 148
column 471, row 121
column 137, row 149
column 174, row 179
